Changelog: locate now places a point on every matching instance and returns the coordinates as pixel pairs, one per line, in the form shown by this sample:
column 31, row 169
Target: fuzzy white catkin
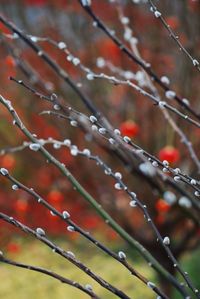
column 166, row 241
column 86, row 2
column 93, row 119
column 157, row 14
column 15, row 187
column 66, row 215
column 62, row 45
column 88, row 287
column 71, row 254
column 70, row 228
column 40, row 231
column 122, row 255
column 118, row 175
column 34, row 146
column 118, row 186
column 150, row 284
column 4, row 171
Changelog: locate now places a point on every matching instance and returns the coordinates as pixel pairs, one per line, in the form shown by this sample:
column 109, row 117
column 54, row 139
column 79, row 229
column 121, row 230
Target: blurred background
column 125, row 108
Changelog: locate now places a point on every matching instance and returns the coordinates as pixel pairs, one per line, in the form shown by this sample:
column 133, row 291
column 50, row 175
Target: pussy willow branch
column 145, row 154
column 51, row 274
column 126, row 160
column 91, row 157
column 41, row 54
column 163, row 105
column 111, row 222
column 67, row 143
column 57, row 69
column 148, row 83
column 194, row 61
column 166, row 168
column 82, row 116
column 184, row 139
column 87, row 70
column 101, row 25
column 82, row 232
column 65, row 254
column 144, row 210
column 54, row 100
column 133, row 45
column 154, row 90
column 166, row 114
column 25, row 67
column 63, row 74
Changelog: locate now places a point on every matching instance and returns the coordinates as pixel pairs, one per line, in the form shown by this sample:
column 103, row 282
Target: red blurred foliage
column 169, row 153
column 36, row 2
column 109, row 50
column 4, row 29
column 173, row 22
column 129, row 128
column 194, row 5
column 162, row 206
column 126, row 104
column 9, row 61
column 13, row 248
column 92, row 221
column 55, row 197
column 160, row 219
column 8, row 161
column 21, row 206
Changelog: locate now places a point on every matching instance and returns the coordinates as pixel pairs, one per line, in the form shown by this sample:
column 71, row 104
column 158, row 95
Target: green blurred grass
column 22, row 284
column 191, row 264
